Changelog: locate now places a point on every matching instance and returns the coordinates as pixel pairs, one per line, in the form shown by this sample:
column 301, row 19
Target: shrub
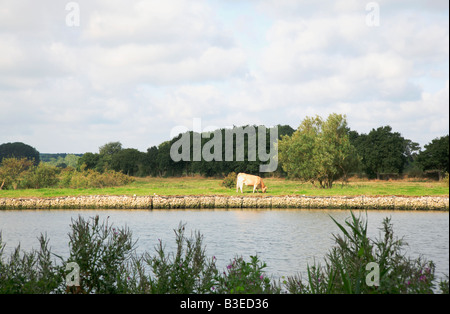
column 445, row 179
column 444, row 286
column 245, row 277
column 229, row 181
column 41, row 176
column 29, row 272
column 101, row 251
column 108, row 264
column 12, row 172
column 93, row 179
column 187, row 271
column 21, row 174
column 345, row 272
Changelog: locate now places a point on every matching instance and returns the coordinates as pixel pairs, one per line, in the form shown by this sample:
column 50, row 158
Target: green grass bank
column 199, row 192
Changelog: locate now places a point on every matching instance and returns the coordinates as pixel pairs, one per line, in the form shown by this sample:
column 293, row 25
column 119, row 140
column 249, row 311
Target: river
column 287, row 240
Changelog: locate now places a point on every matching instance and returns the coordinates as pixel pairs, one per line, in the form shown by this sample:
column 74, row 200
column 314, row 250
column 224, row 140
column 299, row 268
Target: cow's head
column 264, row 189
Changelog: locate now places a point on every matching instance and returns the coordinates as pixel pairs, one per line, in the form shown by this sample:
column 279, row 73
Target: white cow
column 248, row 179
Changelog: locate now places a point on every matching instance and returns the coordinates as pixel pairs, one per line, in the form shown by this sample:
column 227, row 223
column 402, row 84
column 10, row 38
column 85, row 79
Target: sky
column 75, row 75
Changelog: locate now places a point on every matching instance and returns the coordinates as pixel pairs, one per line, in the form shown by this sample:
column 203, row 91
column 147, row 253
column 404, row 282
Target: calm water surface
column 287, row 240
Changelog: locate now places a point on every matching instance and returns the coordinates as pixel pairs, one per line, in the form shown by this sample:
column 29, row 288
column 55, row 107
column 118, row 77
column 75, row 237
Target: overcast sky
column 76, row 75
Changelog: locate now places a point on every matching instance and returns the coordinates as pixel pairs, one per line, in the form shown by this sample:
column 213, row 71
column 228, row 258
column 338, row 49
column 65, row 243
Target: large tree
column 19, row 150
column 384, row 151
column 318, row 151
column 436, row 155
column 129, row 161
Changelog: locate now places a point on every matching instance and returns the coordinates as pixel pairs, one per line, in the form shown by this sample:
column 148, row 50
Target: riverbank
column 439, row 203
column 212, row 186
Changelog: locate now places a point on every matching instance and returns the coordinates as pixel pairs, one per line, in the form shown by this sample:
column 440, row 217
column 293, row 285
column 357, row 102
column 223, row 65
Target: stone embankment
column 231, row 202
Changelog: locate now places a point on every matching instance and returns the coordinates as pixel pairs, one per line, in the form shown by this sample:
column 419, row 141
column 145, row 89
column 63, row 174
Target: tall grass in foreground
column 344, row 269
column 109, row 263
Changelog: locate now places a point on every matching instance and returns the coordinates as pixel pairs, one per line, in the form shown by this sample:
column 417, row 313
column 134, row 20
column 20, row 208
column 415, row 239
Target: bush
column 21, row 174
column 29, row 272
column 101, row 251
column 245, row 277
column 187, row 271
column 345, row 266
column 41, row 176
column 93, row 179
column 12, row 171
column 445, row 179
column 108, row 263
column 229, row 181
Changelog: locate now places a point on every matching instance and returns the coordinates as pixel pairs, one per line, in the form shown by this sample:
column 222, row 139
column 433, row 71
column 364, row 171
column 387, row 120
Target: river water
column 287, row 240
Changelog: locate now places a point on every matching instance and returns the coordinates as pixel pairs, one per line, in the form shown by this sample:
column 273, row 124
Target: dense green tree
column 19, row 150
column 318, row 151
column 285, row 130
column 383, row 151
column 106, row 153
column 436, row 155
column 166, row 166
column 149, row 163
column 128, row 161
column 89, row 160
column 110, row 148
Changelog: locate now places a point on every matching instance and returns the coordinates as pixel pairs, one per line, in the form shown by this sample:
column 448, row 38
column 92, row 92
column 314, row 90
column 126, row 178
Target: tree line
column 319, row 150
column 157, row 161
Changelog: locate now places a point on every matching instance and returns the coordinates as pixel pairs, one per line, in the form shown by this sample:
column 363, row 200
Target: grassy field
column 276, row 186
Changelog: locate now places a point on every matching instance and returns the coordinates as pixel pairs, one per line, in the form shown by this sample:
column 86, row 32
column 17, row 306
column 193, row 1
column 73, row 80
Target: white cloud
column 155, row 21
column 135, row 69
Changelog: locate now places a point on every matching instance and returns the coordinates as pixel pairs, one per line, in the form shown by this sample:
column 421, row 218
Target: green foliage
column 110, row 148
column 445, row 179
column 188, row 270
column 89, row 161
column 89, row 178
column 101, row 251
column 383, row 151
column 19, row 150
column 21, row 174
column 436, row 155
column 128, row 161
column 12, row 172
column 319, row 151
column 29, row 272
column 444, row 286
column 61, row 160
column 42, row 176
column 229, row 181
column 108, row 263
column 112, row 156
column 345, row 265
column 157, row 161
column 106, row 154
column 245, row 277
